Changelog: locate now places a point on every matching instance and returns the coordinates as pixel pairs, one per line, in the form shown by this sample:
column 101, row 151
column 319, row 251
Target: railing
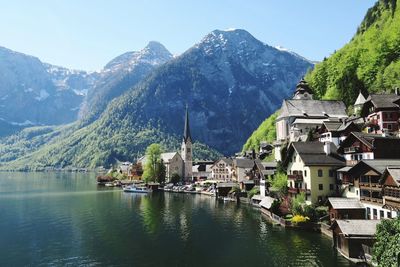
column 293, row 190
column 352, row 149
column 370, row 185
column 372, row 199
column 296, row 177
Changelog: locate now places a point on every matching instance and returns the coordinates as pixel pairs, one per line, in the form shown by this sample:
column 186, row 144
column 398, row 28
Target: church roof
column 312, row 108
column 302, row 87
column 186, row 131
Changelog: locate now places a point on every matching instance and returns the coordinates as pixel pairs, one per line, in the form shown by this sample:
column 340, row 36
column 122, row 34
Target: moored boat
column 136, row 189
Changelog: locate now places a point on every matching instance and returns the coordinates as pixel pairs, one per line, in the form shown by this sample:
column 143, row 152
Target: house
column 242, row 168
column 354, row 238
column 202, row 171
column 306, row 112
column 366, row 177
column 390, row 181
column 382, row 112
column 345, row 208
column 264, row 171
column 358, row 146
column 125, row 168
column 222, row 170
column 337, row 131
column 311, row 168
column 136, row 171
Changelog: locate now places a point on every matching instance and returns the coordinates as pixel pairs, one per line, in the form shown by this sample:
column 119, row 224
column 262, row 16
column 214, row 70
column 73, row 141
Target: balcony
column 296, row 177
column 373, row 186
column 371, row 200
column 352, row 149
column 292, row 190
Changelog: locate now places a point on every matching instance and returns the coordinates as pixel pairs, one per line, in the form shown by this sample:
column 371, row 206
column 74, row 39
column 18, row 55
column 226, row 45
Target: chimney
column 327, row 148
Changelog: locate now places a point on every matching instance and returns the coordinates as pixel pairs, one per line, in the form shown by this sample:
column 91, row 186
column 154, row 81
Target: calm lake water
column 57, row 219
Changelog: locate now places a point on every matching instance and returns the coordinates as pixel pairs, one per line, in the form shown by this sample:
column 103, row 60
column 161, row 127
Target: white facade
column 377, row 212
column 222, row 170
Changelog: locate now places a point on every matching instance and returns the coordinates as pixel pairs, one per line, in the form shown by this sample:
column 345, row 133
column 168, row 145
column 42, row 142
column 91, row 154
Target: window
column 331, row 173
column 368, row 213
column 305, row 173
column 381, row 214
column 321, row 187
column 389, row 214
column 331, row 187
column 375, row 213
column 357, row 193
column 320, row 173
column 389, row 126
column 188, row 149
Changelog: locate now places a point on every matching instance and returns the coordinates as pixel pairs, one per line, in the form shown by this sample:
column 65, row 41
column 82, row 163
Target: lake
column 64, row 219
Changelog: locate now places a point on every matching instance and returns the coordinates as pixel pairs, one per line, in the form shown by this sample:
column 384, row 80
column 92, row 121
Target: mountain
column 35, row 93
column 121, row 74
column 229, row 80
column 370, row 62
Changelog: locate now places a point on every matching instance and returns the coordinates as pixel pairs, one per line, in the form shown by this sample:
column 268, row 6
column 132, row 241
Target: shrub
column 300, row 219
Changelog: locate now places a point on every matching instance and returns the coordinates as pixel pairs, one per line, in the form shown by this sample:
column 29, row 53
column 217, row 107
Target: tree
column 279, row 182
column 386, row 250
column 175, row 178
column 152, row 168
column 298, row 203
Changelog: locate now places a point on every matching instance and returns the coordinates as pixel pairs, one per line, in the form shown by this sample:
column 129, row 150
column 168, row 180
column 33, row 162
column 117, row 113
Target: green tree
column 386, row 250
column 175, row 178
column 152, row 167
column 279, row 182
column 298, row 203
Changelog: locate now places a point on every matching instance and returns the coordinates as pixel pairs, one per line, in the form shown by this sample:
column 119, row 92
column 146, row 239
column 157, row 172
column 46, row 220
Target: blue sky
column 86, row 34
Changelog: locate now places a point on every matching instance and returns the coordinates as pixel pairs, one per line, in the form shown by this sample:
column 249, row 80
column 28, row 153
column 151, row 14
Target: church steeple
column 186, row 131
column 186, row 150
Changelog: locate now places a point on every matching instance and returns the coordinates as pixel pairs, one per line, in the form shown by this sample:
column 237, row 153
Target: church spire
column 186, row 132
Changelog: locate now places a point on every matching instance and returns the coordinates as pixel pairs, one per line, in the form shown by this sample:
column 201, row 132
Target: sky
column 86, row 34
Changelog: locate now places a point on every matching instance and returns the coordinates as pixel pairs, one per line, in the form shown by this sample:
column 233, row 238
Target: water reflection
column 65, row 219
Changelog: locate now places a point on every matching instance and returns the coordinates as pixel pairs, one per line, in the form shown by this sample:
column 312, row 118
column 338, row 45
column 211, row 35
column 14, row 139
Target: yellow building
column 311, row 168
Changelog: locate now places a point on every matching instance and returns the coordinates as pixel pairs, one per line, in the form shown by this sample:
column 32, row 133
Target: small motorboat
column 109, row 184
column 136, row 189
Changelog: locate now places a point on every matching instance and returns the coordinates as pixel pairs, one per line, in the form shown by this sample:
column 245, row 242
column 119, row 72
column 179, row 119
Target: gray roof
column 312, row 108
column 269, row 164
column 227, row 184
column 168, row 156
column 243, row 163
column 266, row 202
column 312, row 153
column 383, row 100
column 365, row 228
column 339, row 203
column 395, row 173
column 344, row 169
column 247, row 181
column 381, row 164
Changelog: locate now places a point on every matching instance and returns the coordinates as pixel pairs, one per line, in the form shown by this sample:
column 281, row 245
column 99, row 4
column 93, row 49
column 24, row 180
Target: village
column 332, row 172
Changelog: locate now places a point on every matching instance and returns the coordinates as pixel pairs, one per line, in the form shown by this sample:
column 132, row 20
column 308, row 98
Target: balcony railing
column 352, row 149
column 293, row 190
column 296, row 177
column 372, row 199
column 376, row 186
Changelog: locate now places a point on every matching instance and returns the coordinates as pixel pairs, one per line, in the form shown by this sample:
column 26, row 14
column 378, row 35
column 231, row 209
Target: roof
column 168, row 156
column 226, row 160
column 268, row 172
column 227, row 184
column 312, row 153
column 269, row 164
column 390, row 144
column 308, row 121
column 266, row 202
column 365, row 228
column 395, row 173
column 360, row 99
column 379, row 165
column 312, row 108
column 256, row 197
column 344, row 169
column 243, row 163
column 383, row 100
column 186, row 131
column 302, row 87
column 339, row 203
column 247, row 181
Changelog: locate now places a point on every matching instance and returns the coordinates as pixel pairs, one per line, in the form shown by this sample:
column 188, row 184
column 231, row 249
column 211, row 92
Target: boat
column 136, row 189
column 109, row 184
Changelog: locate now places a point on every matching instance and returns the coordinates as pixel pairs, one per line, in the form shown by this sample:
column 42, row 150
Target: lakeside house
column 354, row 238
column 222, row 170
column 311, row 169
column 202, row 171
column 390, row 181
column 345, row 208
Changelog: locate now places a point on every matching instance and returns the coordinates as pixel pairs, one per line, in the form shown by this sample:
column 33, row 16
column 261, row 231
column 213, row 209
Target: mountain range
column 230, row 81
